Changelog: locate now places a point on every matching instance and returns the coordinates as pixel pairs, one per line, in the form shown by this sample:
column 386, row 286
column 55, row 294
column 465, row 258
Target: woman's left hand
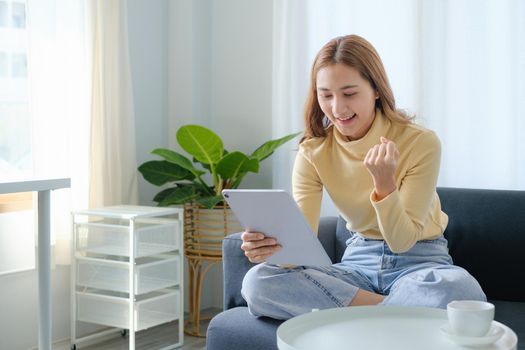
column 381, row 162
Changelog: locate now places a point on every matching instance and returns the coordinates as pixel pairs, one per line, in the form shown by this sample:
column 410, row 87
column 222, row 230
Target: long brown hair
column 358, row 53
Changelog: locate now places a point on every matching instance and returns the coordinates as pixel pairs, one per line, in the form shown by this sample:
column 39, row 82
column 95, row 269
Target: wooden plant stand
column 204, row 230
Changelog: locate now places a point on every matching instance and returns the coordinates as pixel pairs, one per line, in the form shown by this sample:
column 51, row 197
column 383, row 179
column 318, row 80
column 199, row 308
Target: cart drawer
column 158, row 308
column 111, row 238
column 152, row 274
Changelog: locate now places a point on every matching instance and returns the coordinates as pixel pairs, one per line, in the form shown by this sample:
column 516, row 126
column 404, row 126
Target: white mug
column 470, row 318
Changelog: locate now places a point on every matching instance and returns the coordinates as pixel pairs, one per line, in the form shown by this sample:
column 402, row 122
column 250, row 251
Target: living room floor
column 156, row 338
column 150, row 339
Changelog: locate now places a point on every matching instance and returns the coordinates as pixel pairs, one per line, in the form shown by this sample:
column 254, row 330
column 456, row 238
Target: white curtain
column 59, row 105
column 113, row 176
column 472, row 81
column 458, row 65
column 81, row 113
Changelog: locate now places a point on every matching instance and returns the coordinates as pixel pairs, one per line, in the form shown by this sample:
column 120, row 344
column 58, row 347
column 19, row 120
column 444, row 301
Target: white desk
column 43, row 187
column 375, row 328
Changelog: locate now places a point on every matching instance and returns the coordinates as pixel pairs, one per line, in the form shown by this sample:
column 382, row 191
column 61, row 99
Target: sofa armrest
column 235, row 263
column 326, row 235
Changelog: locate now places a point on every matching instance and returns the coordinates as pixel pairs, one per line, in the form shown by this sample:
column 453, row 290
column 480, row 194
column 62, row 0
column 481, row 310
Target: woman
column 380, row 170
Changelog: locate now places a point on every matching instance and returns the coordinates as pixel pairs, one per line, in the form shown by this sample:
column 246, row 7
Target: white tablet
column 276, row 214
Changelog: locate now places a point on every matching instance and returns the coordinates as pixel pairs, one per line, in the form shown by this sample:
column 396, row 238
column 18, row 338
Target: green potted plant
column 207, row 218
column 225, row 169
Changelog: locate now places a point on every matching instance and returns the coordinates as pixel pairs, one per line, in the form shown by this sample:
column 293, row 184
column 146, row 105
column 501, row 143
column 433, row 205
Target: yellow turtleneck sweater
column 409, row 214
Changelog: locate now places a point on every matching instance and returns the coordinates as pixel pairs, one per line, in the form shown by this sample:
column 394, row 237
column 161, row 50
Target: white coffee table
column 376, row 328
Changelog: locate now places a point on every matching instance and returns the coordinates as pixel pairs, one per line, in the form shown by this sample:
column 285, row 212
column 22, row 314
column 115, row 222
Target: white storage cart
column 127, row 270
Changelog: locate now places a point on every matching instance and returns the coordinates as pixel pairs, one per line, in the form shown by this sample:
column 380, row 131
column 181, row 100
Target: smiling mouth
column 347, row 118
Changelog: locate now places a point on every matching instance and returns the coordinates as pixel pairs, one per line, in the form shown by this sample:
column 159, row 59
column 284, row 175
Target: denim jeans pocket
column 357, row 241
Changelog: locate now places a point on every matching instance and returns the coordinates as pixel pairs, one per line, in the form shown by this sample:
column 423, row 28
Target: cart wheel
column 73, row 347
column 123, row 333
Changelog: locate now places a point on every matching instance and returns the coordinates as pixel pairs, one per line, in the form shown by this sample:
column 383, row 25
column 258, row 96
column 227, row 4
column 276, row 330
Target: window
column 44, row 119
column 18, row 15
column 3, row 64
column 3, row 14
column 15, row 121
column 16, row 210
column 19, row 65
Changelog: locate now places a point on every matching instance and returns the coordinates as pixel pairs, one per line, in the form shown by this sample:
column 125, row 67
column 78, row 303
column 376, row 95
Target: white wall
column 220, row 72
column 242, row 77
column 19, row 312
column 148, row 49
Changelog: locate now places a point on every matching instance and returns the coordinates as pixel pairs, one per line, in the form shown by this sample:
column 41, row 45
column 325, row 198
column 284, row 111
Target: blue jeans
column 422, row 276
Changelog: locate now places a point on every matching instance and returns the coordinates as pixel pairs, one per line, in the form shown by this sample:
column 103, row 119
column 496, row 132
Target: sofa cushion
column 341, row 236
column 325, row 233
column 486, row 234
column 237, row 329
column 512, row 314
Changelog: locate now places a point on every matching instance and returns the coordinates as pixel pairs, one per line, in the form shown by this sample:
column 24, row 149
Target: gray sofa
column 486, row 235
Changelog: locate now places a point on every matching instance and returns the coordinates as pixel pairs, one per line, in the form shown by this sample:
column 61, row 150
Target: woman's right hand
column 257, row 247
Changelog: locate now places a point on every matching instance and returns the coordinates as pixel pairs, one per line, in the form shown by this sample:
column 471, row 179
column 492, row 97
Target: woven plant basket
column 204, row 230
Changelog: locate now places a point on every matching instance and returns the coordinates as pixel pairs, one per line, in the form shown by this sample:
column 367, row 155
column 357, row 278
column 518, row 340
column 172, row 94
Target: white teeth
column 347, row 117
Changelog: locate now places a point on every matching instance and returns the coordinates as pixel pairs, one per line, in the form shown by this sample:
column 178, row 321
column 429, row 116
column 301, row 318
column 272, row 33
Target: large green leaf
column 203, row 189
column 159, row 197
column 209, row 202
column 207, row 166
column 177, row 158
column 237, row 181
column 196, row 187
column 235, row 163
column 180, row 195
column 267, row 148
column 251, row 165
column 159, row 172
column 200, row 142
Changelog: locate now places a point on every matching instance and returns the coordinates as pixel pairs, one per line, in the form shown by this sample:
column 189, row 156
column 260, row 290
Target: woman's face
column 346, row 99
